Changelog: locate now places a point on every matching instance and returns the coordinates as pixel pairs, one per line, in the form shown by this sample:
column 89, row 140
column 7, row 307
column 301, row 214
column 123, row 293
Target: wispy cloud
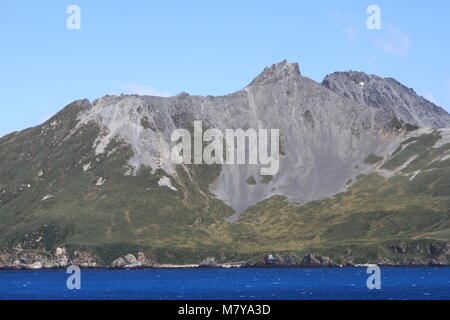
column 393, row 40
column 135, row 88
column 351, row 32
column 347, row 21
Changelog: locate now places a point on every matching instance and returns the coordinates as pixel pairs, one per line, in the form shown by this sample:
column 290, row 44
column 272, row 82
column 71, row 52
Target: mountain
column 363, row 178
column 389, row 95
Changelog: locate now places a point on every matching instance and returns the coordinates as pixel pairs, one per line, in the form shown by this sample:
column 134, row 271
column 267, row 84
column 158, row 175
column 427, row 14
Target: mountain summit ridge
column 278, row 71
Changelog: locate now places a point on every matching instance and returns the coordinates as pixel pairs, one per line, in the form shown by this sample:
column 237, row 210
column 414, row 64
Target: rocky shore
column 60, row 259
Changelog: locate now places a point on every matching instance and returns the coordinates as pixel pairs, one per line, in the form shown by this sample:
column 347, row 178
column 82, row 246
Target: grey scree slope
column 327, row 130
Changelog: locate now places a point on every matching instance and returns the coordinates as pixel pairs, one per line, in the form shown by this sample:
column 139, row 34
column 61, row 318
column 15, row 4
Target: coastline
column 221, row 266
column 61, row 258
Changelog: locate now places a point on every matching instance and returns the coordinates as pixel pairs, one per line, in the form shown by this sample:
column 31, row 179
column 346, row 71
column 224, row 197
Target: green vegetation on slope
column 66, row 195
column 372, row 159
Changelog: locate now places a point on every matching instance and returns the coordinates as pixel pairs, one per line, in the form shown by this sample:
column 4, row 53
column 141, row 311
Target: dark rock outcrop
column 315, row 260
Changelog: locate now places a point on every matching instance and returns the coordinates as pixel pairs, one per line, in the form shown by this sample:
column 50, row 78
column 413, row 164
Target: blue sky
column 207, row 47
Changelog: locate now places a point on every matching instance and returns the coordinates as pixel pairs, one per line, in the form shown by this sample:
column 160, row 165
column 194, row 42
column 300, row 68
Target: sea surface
column 224, row 284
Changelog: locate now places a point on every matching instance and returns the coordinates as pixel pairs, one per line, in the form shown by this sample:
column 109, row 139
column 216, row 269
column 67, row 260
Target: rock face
column 21, row 259
column 389, row 95
column 118, row 263
column 208, row 263
column 129, row 261
column 314, row 260
column 310, row 260
column 326, row 129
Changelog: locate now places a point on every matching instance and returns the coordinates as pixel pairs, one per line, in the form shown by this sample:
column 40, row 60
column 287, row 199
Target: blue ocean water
column 235, row 284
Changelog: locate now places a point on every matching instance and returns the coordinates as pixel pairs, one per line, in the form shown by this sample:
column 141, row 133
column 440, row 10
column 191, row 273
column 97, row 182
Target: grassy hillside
column 54, row 191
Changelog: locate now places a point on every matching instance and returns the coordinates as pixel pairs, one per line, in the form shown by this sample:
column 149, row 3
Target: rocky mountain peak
column 277, row 72
column 388, row 95
column 348, row 76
